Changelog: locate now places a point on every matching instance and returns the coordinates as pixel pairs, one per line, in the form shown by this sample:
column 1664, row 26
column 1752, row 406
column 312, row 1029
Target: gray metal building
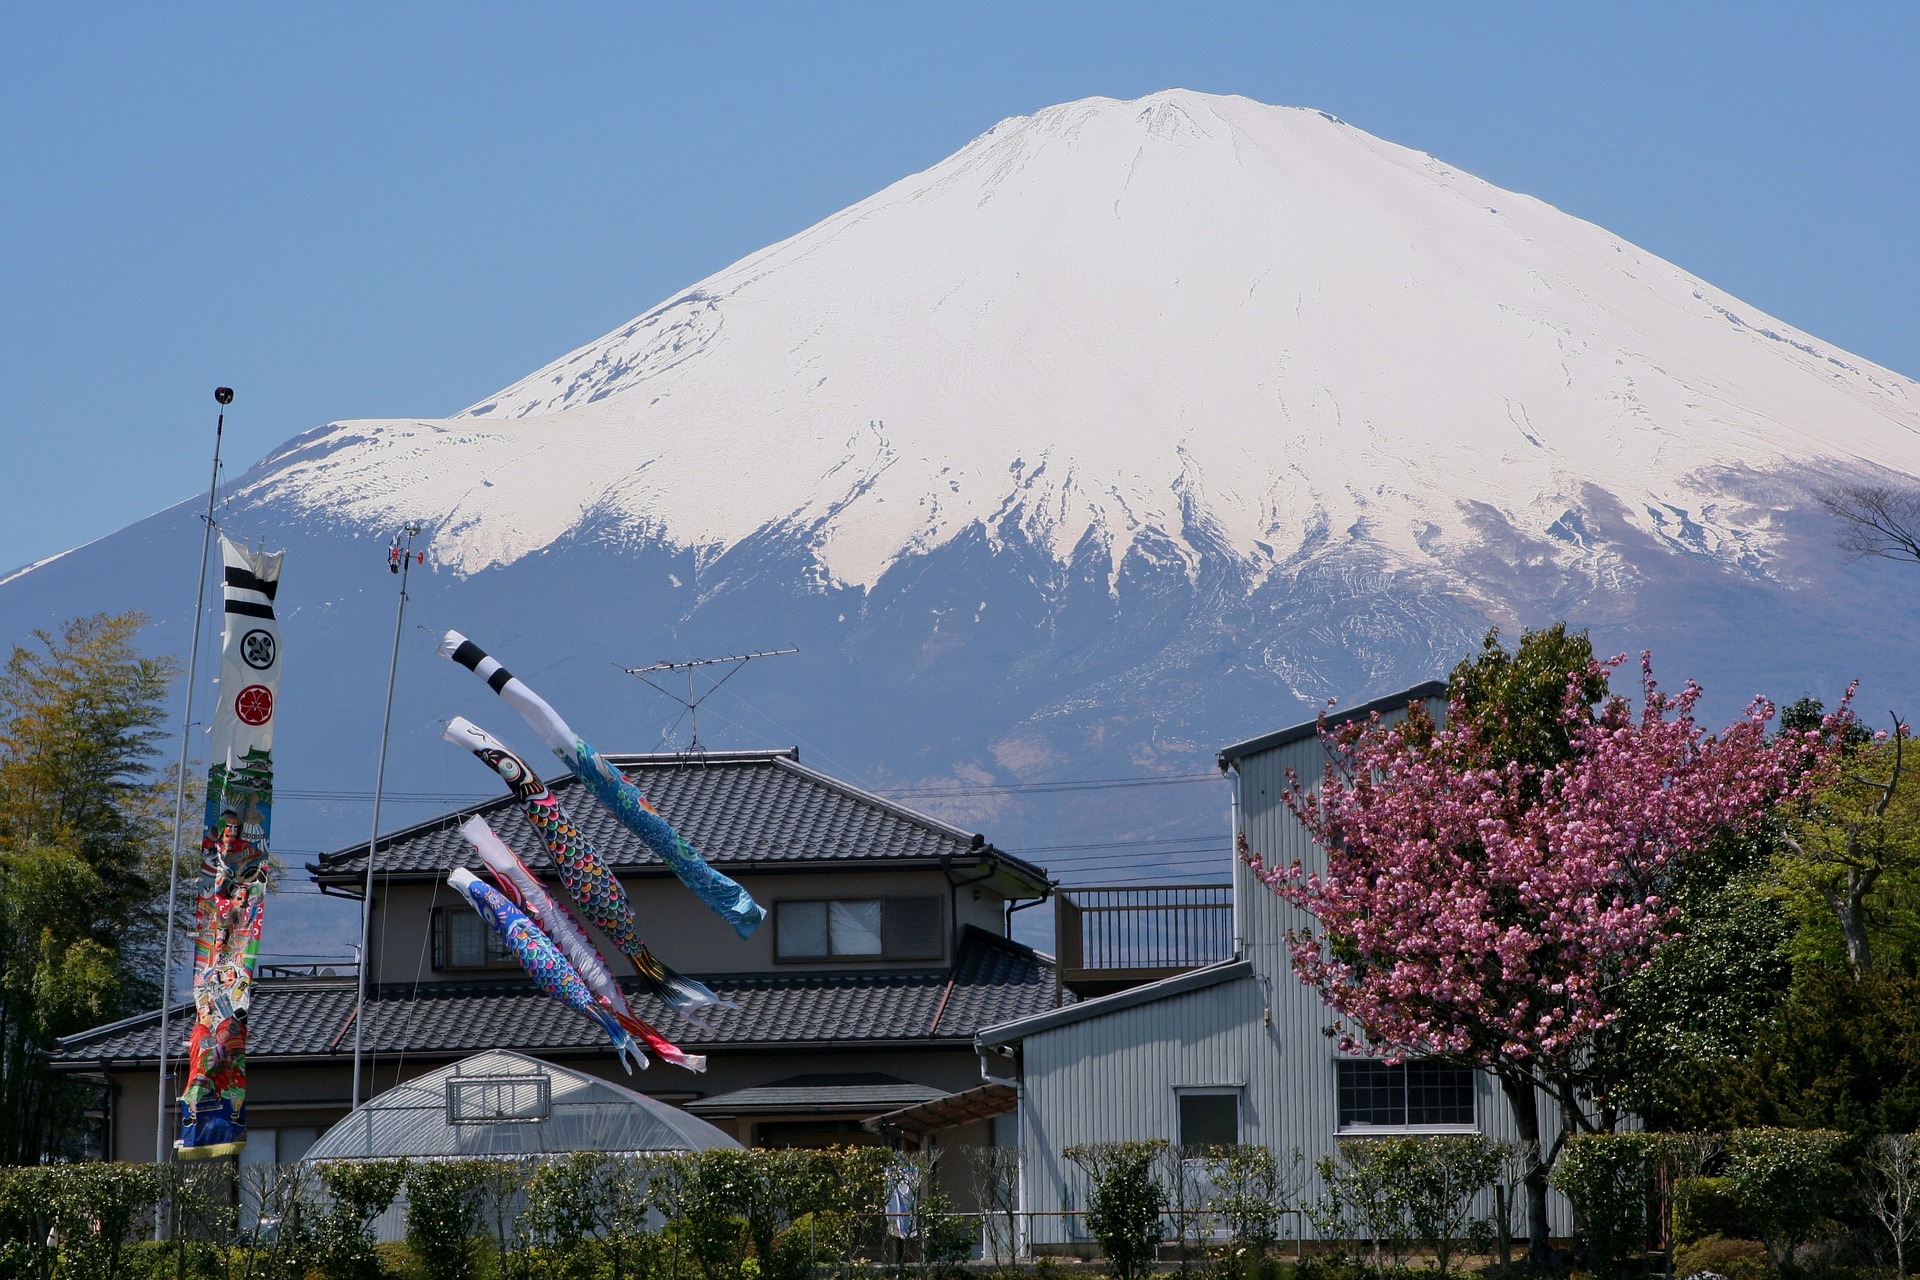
column 1234, row 1051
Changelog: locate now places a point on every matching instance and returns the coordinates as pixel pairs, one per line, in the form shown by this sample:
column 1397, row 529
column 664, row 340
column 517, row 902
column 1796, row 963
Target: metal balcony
column 1109, row 939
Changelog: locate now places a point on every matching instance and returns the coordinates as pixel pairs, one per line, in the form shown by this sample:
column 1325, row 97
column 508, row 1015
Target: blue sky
column 377, row 210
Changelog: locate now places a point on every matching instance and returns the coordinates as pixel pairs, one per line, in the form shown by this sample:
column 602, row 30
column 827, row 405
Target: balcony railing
column 1110, row 939
column 320, row 971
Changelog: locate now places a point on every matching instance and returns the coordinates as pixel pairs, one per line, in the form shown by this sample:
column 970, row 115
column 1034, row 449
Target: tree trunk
column 1850, row 906
column 1525, row 1104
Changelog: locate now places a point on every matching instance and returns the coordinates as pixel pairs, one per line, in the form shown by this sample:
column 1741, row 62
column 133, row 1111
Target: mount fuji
column 1127, row 431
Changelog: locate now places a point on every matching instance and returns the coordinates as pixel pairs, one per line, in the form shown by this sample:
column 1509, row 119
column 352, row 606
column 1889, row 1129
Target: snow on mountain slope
column 1243, row 327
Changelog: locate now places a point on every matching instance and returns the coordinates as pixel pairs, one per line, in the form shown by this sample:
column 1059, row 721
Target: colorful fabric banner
column 588, row 880
column 233, row 857
column 611, row 788
column 555, row 975
column 524, row 889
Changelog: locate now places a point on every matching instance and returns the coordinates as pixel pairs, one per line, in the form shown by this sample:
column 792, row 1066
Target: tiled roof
column 993, row 980
column 861, row 1091
column 735, row 807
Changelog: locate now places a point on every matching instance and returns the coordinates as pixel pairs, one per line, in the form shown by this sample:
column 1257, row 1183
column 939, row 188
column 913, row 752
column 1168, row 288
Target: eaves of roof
column 991, row 979
column 762, row 811
column 1422, row 692
column 1180, row 984
column 827, row 1096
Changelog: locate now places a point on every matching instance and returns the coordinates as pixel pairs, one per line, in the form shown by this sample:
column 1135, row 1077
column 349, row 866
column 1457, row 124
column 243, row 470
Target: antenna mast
column 401, row 557
column 692, row 700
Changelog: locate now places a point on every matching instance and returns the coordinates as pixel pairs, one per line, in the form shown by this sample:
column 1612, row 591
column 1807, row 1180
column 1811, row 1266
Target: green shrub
column 443, row 1215
column 1705, row 1207
column 359, row 1191
column 1251, row 1190
column 1124, row 1201
column 1437, row 1180
column 1609, row 1180
column 1724, row 1256
column 104, row 1206
column 1783, row 1181
column 1391, row 1192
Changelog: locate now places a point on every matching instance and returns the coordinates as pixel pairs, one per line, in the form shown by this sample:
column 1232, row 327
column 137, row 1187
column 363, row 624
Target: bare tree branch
column 1876, row 520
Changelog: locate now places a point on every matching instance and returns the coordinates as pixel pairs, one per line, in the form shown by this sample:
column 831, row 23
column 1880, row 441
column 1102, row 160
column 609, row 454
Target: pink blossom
column 1490, row 914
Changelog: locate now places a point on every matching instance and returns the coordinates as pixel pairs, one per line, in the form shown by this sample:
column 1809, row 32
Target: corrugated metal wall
column 1118, row 1076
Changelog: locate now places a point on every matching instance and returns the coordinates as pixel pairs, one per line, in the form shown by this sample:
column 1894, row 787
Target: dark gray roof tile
column 993, row 981
column 734, row 807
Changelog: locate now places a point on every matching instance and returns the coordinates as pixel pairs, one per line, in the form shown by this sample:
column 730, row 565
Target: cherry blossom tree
column 1486, row 910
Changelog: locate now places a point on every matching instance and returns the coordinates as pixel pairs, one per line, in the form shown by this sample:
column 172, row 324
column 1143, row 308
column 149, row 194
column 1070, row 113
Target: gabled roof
column 1425, row 690
column 992, row 980
column 1015, row 1030
column 738, row 808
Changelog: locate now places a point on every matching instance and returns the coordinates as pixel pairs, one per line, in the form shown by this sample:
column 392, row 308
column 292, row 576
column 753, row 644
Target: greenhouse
column 507, row 1104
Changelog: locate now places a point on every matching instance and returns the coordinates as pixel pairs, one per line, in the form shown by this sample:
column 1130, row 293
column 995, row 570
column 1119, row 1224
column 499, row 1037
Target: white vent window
column 498, row 1099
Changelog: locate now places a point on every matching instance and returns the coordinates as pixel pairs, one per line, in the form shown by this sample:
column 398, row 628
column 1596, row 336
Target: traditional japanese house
column 886, row 949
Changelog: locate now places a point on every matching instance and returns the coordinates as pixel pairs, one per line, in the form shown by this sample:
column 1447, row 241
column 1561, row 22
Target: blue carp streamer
column 612, row 789
column 588, row 880
column 555, row 975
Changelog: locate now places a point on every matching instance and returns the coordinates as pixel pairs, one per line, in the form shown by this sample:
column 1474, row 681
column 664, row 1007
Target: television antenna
column 693, row 698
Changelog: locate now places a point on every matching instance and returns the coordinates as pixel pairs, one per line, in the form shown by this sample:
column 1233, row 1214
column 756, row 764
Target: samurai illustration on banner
column 233, row 857
column 611, row 788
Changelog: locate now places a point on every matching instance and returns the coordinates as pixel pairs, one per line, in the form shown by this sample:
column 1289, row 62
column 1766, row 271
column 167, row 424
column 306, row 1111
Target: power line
column 1042, row 788
column 1125, row 843
column 1008, row 788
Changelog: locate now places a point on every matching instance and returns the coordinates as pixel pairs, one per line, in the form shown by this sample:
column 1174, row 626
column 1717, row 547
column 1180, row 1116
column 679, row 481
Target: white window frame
column 1345, row 1130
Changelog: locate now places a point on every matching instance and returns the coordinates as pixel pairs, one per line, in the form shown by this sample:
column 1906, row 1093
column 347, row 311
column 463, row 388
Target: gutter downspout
column 1023, row 1225
column 1233, row 857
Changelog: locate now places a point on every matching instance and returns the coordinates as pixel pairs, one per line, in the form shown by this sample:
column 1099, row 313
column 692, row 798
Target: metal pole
column 161, row 1149
column 402, row 567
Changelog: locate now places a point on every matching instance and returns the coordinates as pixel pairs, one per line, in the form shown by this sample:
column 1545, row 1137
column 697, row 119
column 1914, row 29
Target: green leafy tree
column 83, row 849
column 1841, row 1053
column 1518, row 699
column 1857, row 852
column 1124, row 1201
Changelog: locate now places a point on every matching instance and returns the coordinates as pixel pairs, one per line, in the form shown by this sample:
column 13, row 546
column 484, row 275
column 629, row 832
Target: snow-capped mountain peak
column 1228, row 328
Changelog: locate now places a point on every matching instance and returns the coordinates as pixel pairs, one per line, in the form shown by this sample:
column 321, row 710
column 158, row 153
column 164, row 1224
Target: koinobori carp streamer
column 611, row 788
column 555, row 975
column 587, row 879
column 234, row 861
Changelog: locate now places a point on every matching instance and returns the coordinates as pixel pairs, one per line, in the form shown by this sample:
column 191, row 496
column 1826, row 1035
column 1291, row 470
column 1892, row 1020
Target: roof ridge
column 752, row 755
column 975, row 842
column 1385, row 704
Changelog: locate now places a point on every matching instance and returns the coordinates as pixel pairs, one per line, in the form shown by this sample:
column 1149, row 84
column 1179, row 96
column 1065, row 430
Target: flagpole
column 400, row 561
column 162, row 1150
